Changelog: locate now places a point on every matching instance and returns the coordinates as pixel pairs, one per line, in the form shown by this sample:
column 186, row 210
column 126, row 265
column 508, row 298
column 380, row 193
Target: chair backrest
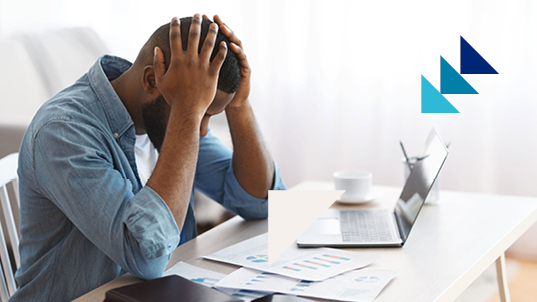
column 8, row 175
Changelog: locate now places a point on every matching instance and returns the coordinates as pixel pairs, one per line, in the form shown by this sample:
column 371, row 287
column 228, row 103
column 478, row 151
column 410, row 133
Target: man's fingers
column 243, row 62
column 227, row 31
column 194, row 34
column 205, row 17
column 218, row 20
column 176, row 46
column 158, row 64
column 219, row 58
column 208, row 44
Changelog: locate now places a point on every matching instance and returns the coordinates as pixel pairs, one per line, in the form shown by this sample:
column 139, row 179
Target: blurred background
column 336, row 84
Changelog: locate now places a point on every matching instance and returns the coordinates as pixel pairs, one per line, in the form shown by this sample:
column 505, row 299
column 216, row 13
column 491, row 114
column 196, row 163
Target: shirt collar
column 100, row 74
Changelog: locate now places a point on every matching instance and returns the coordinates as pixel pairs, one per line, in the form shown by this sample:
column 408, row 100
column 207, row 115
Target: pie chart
column 257, row 258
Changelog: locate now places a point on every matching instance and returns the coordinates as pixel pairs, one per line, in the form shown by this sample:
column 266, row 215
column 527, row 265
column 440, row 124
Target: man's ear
column 148, row 81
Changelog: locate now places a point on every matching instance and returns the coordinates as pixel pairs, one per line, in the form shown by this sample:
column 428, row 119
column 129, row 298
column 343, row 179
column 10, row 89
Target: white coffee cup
column 357, row 184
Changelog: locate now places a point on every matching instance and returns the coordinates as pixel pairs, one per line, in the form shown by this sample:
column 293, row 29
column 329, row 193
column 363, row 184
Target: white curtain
column 336, row 84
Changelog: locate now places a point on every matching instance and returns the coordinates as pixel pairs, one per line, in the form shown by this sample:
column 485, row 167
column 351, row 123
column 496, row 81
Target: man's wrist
column 193, row 116
column 241, row 109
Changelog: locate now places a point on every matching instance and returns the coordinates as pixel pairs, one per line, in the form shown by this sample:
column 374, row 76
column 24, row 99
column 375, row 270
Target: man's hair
column 230, row 75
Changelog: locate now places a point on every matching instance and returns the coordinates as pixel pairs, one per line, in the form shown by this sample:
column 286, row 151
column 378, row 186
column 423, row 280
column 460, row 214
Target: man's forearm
column 189, row 86
column 173, row 176
column 252, row 163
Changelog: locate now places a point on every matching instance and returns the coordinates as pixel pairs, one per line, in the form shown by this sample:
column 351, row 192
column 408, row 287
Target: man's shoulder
column 76, row 104
column 71, row 117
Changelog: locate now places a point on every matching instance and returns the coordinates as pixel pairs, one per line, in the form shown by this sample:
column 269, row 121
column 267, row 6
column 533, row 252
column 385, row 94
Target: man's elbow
column 150, row 269
column 148, row 263
column 151, row 274
column 256, row 212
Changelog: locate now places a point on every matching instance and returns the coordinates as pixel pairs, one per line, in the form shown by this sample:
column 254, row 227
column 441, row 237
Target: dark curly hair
column 230, row 74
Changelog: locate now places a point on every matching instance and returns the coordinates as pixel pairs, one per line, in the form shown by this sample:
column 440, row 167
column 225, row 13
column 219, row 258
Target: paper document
column 210, row 278
column 362, row 285
column 313, row 264
column 197, row 274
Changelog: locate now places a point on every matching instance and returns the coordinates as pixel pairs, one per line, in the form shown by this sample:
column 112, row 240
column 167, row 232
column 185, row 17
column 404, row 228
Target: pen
column 406, row 157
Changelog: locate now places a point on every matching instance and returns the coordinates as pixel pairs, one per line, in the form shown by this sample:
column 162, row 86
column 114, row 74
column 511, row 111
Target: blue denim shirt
column 85, row 217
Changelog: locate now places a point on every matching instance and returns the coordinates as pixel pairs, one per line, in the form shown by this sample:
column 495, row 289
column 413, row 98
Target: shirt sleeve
column 216, row 179
column 75, row 170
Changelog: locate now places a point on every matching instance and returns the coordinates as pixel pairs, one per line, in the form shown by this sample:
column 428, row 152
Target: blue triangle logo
column 451, row 82
column 432, row 101
column 472, row 62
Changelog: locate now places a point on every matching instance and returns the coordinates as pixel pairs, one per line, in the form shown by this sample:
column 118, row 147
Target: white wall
column 337, row 83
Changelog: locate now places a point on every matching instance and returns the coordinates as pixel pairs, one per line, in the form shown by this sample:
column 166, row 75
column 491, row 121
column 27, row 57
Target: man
column 86, row 216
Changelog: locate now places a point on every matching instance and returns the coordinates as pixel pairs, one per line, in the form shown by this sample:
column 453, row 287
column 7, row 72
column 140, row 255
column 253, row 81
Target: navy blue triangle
column 472, row 62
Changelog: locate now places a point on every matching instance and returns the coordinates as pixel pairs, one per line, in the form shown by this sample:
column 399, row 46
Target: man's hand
column 189, row 87
column 241, row 96
column 252, row 163
column 191, row 79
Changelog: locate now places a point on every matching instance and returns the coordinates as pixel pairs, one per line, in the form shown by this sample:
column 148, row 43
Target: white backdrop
column 337, row 83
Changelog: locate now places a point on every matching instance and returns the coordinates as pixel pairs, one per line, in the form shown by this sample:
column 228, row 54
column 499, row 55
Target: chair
column 8, row 174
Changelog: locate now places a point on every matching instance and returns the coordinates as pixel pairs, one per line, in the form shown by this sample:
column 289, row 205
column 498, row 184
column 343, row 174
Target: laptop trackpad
column 327, row 226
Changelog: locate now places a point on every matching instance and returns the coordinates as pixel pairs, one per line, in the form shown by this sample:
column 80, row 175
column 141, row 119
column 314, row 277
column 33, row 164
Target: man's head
column 155, row 109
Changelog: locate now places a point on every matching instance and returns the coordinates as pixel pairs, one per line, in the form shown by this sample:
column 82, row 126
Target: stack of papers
column 358, row 285
column 319, row 272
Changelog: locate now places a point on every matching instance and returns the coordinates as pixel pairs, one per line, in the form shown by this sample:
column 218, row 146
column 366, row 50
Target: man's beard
column 155, row 122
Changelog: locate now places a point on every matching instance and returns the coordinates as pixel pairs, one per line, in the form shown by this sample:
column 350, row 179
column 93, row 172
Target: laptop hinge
column 399, row 226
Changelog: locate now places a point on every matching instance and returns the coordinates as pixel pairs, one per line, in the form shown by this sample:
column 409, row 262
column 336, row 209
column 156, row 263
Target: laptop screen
column 419, row 183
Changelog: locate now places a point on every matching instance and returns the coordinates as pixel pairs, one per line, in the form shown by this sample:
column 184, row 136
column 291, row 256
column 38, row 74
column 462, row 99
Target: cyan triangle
column 451, row 82
column 432, row 101
column 472, row 62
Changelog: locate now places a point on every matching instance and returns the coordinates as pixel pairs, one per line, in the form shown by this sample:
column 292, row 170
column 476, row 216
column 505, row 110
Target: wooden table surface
column 451, row 244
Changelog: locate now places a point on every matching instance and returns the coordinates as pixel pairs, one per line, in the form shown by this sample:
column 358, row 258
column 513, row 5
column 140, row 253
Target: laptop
column 381, row 227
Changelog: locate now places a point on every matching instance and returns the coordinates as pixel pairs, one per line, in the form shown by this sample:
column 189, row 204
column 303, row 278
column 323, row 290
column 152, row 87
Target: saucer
column 368, row 198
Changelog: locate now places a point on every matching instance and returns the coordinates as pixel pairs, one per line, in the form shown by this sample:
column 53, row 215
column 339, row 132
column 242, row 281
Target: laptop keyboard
column 365, row 226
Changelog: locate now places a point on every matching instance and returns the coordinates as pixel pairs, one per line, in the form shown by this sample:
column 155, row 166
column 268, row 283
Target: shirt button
column 116, row 135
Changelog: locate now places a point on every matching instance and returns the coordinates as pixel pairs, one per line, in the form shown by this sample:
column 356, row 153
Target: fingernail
column 155, row 51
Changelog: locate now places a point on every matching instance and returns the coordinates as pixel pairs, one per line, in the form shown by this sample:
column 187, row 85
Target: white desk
column 451, row 244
